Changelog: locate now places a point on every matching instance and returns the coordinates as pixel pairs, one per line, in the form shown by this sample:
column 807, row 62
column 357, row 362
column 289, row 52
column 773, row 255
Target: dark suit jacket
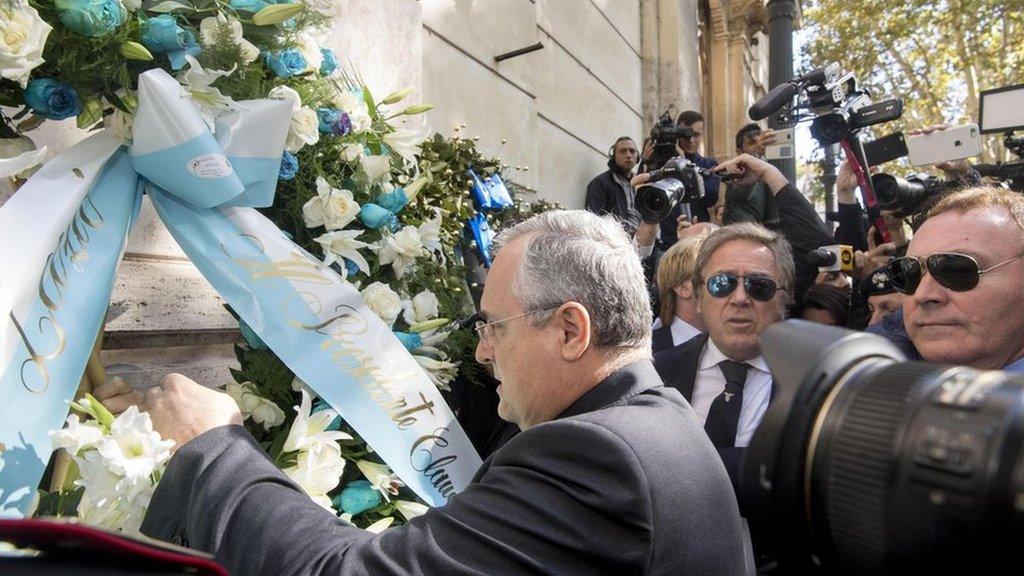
column 661, row 339
column 623, row 482
column 678, row 369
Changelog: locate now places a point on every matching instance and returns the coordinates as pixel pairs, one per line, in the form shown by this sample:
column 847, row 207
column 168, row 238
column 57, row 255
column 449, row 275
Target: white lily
column 77, row 436
column 410, row 509
column 381, row 525
column 198, row 82
column 133, row 449
column 381, row 477
column 310, row 429
column 430, row 233
column 343, row 244
column 405, row 143
column 441, row 372
column 400, row 249
column 317, row 471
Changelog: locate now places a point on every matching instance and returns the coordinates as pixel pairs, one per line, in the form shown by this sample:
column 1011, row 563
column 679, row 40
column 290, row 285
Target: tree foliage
column 934, row 54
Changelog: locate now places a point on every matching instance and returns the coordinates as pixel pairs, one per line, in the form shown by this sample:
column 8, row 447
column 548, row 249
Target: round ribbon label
column 210, row 166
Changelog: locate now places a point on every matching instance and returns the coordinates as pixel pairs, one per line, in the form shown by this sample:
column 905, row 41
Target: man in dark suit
column 611, row 474
column 744, row 275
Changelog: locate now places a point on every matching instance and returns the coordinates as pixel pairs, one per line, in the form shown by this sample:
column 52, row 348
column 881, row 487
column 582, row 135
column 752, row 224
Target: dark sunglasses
column 957, row 272
column 760, row 288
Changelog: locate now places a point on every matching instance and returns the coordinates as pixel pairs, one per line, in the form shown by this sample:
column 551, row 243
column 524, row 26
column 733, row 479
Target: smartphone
column 954, row 143
column 782, row 147
column 885, row 149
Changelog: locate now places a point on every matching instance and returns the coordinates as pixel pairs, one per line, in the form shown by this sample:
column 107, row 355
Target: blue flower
column 393, row 201
column 252, row 6
column 51, row 99
column 92, row 18
column 410, row 341
column 329, row 63
column 328, row 117
column 342, row 126
column 358, row 497
column 286, row 63
column 374, row 217
column 289, row 166
column 163, row 35
column 351, row 267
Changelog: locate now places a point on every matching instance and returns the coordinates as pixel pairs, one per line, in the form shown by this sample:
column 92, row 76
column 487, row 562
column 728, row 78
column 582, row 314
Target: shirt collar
column 1015, row 366
column 712, row 356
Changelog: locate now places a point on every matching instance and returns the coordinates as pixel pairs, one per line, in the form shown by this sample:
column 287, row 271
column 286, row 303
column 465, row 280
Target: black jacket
column 804, row 230
column 605, row 196
column 623, row 482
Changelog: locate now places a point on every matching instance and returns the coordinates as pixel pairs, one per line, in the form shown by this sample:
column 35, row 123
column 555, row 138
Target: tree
column 936, row 55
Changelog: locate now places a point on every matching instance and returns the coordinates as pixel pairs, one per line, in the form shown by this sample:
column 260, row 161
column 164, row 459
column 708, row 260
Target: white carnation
column 22, row 38
column 384, row 302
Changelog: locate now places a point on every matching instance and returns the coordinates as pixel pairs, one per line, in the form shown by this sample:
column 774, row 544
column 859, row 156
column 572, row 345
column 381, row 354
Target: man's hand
column 878, row 255
column 646, row 233
column 181, row 409
column 117, row 395
column 751, row 170
column 846, row 184
column 765, row 138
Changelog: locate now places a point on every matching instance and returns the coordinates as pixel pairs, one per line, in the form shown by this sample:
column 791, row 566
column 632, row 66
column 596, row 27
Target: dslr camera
column 679, row 180
column 868, row 464
column 911, row 195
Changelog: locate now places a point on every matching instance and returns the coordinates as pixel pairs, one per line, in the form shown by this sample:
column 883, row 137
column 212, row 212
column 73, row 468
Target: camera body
column 665, row 134
column 679, row 180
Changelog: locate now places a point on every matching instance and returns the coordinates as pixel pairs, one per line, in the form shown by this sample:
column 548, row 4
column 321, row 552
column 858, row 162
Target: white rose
column 22, row 38
column 331, row 207
column 208, row 29
column 317, row 471
column 310, row 50
column 375, row 167
column 384, row 302
column 349, row 102
column 252, row 405
column 401, row 249
column 304, row 129
column 421, row 308
column 360, row 121
column 287, row 94
column 351, row 152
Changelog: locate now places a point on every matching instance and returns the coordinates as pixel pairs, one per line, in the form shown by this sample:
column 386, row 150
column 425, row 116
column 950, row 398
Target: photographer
column 610, row 192
column 689, row 145
column 751, row 203
column 800, row 224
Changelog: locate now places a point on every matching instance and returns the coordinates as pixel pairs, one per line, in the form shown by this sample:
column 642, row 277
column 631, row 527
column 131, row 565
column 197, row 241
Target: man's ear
column 573, row 323
column 684, row 290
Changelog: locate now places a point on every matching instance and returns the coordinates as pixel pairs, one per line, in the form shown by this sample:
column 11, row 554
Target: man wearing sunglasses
column 963, row 281
column 743, row 281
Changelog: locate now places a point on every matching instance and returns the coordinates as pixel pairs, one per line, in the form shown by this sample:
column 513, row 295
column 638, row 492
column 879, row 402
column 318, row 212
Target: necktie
column 724, row 415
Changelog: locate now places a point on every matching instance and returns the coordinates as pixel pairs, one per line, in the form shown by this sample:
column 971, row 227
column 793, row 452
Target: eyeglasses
column 957, row 272
column 485, row 330
column 760, row 288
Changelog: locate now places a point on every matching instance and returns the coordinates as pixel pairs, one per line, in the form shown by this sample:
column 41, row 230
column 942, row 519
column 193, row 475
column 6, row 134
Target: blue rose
column 163, row 35
column 289, row 166
column 358, row 497
column 393, row 201
column 342, row 126
column 329, row 63
column 351, row 267
column 252, row 6
column 374, row 217
column 51, row 99
column 92, row 18
column 328, row 117
column 286, row 63
column 410, row 341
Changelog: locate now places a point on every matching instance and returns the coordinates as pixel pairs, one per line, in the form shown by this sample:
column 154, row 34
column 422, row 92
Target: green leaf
column 92, row 112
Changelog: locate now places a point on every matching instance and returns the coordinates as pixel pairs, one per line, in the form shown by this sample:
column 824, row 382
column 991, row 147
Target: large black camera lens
column 897, row 194
column 655, row 201
column 865, row 464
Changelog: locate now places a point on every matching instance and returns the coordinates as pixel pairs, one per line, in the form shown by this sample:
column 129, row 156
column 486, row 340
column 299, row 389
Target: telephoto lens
column 908, row 196
column 868, row 464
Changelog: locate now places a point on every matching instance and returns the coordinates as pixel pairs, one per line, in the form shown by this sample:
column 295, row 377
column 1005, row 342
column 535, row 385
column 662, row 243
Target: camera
column 910, row 195
column 679, row 180
column 834, row 258
column 868, row 464
column 664, row 135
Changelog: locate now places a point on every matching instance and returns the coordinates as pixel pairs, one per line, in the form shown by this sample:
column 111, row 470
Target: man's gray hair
column 574, row 255
column 757, row 234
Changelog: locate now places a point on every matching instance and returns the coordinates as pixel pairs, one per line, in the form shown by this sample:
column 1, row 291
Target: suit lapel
column 678, row 366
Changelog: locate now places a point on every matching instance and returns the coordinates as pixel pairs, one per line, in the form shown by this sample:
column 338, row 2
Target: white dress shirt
column 682, row 331
column 710, row 383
